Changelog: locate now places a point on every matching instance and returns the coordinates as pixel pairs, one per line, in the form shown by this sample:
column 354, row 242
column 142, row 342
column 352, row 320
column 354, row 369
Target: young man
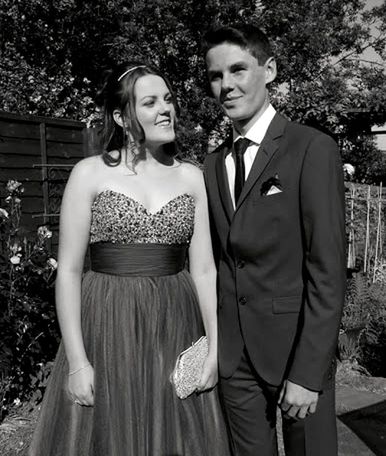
column 276, row 198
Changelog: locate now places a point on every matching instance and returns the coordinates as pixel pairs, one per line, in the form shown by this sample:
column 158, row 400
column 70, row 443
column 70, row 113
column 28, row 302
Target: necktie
column 240, row 147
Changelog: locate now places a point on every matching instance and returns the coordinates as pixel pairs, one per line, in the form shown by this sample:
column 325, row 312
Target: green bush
column 28, row 328
column 357, row 306
column 372, row 340
column 362, row 337
column 373, row 347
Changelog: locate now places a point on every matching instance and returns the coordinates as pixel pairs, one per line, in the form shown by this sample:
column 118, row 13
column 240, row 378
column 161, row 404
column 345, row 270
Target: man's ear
column 270, row 70
column 117, row 115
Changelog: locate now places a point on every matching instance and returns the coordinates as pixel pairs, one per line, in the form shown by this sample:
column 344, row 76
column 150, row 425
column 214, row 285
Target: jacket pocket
column 269, row 199
column 286, row 304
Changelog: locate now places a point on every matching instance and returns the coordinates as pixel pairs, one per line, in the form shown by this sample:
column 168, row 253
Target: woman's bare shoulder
column 191, row 171
column 87, row 174
column 88, row 168
column 193, row 177
column 89, row 164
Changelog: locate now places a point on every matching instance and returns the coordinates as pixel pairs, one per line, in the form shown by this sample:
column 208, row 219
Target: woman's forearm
column 68, row 307
column 205, row 283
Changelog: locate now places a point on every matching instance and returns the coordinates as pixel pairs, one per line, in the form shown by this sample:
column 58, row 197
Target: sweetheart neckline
column 141, row 204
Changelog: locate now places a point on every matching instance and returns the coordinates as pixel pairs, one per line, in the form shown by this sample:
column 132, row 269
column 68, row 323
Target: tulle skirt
column 133, row 329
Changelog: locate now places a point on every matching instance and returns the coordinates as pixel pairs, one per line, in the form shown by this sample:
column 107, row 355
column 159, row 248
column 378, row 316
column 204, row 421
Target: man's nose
column 227, row 83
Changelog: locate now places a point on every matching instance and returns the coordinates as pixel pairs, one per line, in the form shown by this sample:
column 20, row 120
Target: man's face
column 238, row 82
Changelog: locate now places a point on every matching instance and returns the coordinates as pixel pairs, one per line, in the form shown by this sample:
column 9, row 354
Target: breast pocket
column 267, row 200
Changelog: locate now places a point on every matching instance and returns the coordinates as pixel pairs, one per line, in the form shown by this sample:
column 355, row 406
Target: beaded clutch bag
column 188, row 368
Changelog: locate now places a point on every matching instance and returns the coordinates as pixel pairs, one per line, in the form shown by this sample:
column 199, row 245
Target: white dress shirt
column 256, row 135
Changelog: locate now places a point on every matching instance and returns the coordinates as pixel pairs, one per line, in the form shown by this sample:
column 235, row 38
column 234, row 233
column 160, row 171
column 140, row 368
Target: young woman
column 142, row 212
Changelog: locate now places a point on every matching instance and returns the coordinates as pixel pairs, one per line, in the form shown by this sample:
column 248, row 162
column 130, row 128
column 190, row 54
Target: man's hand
column 296, row 401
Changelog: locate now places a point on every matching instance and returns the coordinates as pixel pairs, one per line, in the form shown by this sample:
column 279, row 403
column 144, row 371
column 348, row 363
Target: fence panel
column 39, row 152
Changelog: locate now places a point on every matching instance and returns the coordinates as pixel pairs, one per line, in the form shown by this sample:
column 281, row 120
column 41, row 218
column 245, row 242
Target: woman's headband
column 129, row 71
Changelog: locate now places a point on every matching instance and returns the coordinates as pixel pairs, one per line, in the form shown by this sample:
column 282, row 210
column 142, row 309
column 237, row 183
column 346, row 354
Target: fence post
column 367, row 239
column 351, row 237
column 378, row 238
column 43, row 153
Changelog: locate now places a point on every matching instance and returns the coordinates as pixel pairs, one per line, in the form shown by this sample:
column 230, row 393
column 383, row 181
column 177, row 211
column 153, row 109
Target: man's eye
column 215, row 77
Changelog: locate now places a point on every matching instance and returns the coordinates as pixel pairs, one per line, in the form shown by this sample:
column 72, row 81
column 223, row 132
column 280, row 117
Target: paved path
column 361, row 421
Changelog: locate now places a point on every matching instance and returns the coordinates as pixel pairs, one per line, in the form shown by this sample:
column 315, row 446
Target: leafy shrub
column 29, row 333
column 357, row 307
column 348, row 346
column 377, row 293
column 362, row 336
column 372, row 339
column 373, row 347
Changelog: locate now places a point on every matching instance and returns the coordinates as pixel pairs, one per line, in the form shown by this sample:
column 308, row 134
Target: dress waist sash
column 138, row 259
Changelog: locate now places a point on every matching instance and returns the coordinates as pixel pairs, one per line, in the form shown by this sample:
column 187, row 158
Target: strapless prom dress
column 139, row 311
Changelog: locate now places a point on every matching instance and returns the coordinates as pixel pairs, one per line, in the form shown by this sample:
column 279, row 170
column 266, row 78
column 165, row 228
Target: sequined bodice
column 118, row 218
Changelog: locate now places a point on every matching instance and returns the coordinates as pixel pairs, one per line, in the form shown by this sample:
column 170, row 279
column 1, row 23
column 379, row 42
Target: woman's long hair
column 117, row 93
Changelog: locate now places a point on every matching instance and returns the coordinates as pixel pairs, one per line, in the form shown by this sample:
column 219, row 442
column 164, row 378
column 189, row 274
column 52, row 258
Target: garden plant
column 29, row 333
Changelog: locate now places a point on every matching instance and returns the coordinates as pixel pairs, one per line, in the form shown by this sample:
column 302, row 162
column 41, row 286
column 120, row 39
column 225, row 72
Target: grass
column 16, row 431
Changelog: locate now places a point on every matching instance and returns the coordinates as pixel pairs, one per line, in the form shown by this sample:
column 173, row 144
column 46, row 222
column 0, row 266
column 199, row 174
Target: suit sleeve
column 323, row 220
column 208, row 170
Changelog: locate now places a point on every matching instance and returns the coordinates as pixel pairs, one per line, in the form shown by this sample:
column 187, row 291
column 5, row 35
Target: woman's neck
column 149, row 156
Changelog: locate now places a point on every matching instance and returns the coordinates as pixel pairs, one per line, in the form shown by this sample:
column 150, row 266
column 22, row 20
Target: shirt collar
column 258, row 130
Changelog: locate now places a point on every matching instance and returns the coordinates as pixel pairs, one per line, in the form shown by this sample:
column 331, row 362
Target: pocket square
column 273, row 190
column 271, row 186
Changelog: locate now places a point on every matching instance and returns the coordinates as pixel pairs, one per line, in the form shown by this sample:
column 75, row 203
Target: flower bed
column 28, row 328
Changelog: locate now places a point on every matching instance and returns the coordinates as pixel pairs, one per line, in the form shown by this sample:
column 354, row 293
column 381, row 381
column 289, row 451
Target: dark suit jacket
column 281, row 258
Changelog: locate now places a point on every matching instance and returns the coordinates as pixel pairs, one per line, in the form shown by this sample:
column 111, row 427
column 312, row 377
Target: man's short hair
column 246, row 36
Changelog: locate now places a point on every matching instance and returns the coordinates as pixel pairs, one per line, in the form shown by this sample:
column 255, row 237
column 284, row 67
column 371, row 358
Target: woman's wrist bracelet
column 78, row 370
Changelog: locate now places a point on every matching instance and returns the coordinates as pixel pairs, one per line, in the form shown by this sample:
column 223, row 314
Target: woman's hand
column 209, row 376
column 81, row 386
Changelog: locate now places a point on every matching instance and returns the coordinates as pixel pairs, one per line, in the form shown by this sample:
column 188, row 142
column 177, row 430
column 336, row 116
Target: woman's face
column 155, row 110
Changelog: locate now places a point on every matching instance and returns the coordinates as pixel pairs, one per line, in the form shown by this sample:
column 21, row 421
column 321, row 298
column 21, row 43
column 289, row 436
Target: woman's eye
column 149, row 103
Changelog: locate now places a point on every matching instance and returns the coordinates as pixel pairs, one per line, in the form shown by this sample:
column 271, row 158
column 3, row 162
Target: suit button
column 240, row 264
column 243, row 300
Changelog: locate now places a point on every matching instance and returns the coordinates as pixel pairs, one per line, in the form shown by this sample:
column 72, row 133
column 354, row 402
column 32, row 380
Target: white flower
column 12, row 185
column 349, row 169
column 14, row 248
column 17, row 401
column 3, row 213
column 52, row 263
column 44, row 232
column 15, row 259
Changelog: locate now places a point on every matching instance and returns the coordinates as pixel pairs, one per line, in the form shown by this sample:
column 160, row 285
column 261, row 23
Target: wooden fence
column 40, row 153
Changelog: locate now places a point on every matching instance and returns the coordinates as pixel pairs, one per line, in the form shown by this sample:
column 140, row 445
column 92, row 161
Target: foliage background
column 52, row 57
column 53, row 53
column 28, row 326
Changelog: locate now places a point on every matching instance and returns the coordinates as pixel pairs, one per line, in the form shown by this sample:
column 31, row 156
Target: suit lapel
column 267, row 150
column 222, row 180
